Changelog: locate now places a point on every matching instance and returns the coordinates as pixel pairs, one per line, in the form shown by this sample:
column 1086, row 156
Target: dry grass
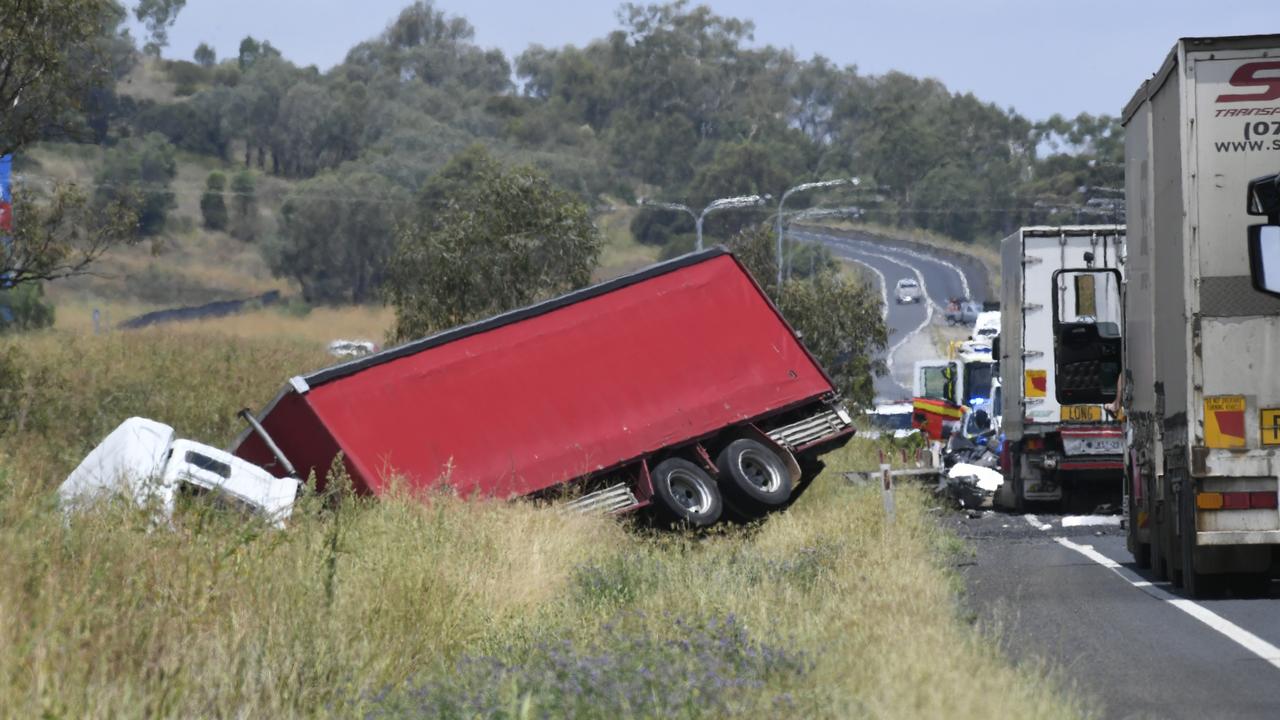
column 445, row 607
column 147, row 80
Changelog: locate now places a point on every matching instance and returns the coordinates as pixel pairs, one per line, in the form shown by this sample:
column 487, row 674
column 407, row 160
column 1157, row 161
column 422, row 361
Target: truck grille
column 610, row 499
column 810, row 429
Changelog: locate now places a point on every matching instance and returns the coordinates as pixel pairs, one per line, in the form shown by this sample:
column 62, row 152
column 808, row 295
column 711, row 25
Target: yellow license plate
column 1081, row 413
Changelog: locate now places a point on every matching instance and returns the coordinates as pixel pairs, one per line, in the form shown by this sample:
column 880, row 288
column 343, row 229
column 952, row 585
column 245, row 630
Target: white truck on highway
column 1059, row 357
column 1201, row 394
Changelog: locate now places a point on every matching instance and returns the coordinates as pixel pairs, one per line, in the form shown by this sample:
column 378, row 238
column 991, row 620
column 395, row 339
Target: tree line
column 382, row 150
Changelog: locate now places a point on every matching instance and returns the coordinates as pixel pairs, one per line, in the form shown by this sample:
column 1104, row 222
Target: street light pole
column 803, row 188
column 729, row 203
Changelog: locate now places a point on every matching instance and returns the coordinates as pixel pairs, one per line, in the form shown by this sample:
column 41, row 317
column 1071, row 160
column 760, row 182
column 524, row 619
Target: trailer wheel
column 754, row 474
column 1194, row 584
column 686, row 493
column 1141, row 551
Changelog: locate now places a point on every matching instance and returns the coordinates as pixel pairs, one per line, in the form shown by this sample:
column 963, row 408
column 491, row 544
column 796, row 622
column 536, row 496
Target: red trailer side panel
column 583, row 387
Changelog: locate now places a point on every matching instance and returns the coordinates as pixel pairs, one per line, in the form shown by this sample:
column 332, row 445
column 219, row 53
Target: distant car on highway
column 907, row 291
column 963, row 313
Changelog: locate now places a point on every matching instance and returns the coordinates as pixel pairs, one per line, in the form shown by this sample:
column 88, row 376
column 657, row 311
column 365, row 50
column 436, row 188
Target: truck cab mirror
column 1264, row 197
column 1264, row 258
column 1086, row 335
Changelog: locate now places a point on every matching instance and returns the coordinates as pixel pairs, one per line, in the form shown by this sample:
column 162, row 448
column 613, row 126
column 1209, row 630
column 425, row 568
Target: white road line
column 884, row 284
column 1034, row 522
column 1085, row 520
column 928, row 306
column 1254, row 644
column 851, row 243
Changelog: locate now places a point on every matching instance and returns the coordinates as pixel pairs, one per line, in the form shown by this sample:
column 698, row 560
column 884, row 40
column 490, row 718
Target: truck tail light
column 1209, row 501
column 1237, row 501
column 1034, row 443
column 1265, row 500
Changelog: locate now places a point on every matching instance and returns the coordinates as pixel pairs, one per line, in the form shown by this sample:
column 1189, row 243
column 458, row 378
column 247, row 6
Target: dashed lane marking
column 1245, row 639
column 1088, row 520
column 1034, row 522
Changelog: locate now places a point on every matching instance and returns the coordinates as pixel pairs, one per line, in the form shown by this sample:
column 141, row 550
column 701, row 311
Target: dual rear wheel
column 753, row 480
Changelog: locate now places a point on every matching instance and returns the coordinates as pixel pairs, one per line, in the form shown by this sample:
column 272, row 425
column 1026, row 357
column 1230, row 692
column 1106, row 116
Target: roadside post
column 886, row 485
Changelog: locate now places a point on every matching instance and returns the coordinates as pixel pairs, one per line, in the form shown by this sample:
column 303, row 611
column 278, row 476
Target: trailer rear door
column 1234, row 98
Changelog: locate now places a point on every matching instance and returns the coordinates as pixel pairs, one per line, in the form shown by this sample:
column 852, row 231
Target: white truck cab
column 145, row 461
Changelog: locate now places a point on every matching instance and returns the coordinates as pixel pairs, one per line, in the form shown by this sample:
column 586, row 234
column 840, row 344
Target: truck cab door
column 937, row 380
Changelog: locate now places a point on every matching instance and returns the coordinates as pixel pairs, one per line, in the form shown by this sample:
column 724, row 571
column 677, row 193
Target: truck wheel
column 1019, row 494
column 1141, row 551
column 1194, row 584
column 753, row 474
column 686, row 493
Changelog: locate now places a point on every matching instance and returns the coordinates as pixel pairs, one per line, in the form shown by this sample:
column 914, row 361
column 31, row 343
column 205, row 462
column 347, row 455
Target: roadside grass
column 620, row 253
column 440, row 607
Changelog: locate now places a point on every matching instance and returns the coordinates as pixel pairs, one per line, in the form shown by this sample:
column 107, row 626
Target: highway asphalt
column 1060, row 591
column 909, row 340
column 1040, row 586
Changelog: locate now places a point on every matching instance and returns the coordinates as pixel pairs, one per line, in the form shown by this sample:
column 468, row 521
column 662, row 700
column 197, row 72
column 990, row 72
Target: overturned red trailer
column 679, row 386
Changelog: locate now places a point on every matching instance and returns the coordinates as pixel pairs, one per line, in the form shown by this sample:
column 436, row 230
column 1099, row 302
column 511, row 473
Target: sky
column 1037, row 57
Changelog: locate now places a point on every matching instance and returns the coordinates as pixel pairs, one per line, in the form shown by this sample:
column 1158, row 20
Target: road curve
column 909, row 341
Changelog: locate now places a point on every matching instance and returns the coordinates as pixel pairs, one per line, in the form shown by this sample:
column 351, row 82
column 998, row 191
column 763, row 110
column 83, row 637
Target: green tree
column 205, row 56
column 24, row 308
column 244, row 206
column 158, row 16
column 507, row 237
column 141, row 168
column 213, row 206
column 335, row 241
column 251, row 51
column 61, row 234
column 53, row 54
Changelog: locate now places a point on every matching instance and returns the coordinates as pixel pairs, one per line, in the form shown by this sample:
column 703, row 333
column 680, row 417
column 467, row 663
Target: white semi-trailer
column 1201, row 391
column 1059, row 355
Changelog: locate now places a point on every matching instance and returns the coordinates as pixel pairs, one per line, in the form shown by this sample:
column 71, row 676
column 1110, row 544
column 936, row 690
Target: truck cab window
column 204, row 462
column 1086, row 335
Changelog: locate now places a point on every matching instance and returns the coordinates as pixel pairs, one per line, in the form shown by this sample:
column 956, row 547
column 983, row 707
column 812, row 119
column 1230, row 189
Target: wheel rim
column 689, row 493
column 758, row 471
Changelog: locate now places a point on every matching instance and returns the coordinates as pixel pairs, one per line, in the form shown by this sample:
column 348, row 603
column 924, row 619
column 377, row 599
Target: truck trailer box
column 1060, row 340
column 1202, row 395
column 594, row 389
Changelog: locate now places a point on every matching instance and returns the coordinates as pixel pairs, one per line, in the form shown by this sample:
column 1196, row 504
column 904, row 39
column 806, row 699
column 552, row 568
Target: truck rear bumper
column 1238, row 537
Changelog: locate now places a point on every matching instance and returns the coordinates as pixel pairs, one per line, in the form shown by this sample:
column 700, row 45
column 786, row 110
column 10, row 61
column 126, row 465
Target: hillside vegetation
column 677, row 104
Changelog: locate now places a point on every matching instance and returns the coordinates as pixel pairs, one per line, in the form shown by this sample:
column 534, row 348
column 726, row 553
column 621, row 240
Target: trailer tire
column 686, row 493
column 753, row 474
column 1194, row 584
column 1141, row 551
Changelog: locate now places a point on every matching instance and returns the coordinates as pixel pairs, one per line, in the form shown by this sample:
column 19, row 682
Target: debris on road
column 973, row 486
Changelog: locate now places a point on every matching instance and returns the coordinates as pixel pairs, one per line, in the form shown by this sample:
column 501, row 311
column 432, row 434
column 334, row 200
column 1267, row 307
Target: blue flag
column 6, row 213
